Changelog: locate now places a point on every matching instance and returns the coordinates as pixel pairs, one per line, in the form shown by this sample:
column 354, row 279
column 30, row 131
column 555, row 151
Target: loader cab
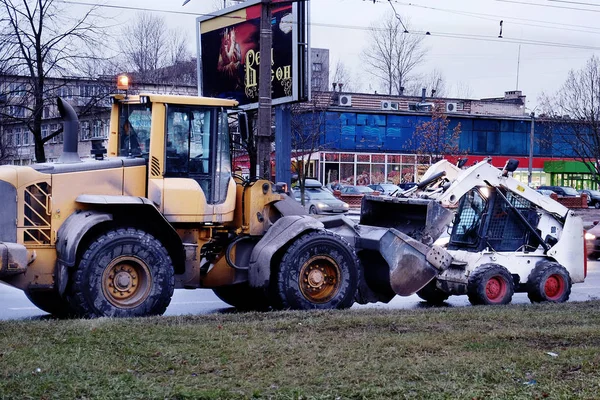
column 494, row 219
column 185, row 141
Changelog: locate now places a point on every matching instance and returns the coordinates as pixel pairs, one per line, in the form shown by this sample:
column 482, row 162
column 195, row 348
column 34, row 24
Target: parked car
column 385, row 188
column 545, row 192
column 592, row 242
column 565, row 191
column 593, row 197
column 334, row 186
column 407, row 185
column 318, row 200
column 361, row 190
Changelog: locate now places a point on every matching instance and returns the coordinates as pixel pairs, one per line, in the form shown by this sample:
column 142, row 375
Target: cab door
column 197, row 186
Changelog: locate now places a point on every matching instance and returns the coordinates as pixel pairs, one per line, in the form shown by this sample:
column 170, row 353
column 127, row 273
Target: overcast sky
column 555, row 35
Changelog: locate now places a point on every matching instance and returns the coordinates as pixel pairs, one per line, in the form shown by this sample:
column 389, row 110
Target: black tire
column 123, row 273
column 490, row 284
column 312, row 210
column 51, row 302
column 549, row 281
column 319, row 270
column 593, row 256
column 432, row 294
column 243, row 297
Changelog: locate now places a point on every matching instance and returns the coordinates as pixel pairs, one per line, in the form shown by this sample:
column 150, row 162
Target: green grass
column 465, row 353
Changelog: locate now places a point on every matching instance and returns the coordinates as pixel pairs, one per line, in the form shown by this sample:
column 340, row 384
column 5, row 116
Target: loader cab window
column 197, row 147
column 134, row 130
column 469, row 217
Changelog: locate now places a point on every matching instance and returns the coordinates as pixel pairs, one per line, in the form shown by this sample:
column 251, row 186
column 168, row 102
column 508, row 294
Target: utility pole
column 263, row 134
column 530, row 177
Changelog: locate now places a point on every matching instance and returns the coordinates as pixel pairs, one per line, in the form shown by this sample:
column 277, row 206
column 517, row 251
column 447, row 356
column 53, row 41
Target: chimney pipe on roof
column 423, row 94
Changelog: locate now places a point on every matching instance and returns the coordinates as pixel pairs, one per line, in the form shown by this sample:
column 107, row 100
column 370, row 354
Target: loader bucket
column 422, row 219
column 412, row 264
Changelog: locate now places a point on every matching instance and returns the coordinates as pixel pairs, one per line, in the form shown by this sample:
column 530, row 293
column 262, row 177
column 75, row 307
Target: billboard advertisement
column 229, row 52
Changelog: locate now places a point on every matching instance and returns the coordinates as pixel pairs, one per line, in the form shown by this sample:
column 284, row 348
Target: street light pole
column 530, row 177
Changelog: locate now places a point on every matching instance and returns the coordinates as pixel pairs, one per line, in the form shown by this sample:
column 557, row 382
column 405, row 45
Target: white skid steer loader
column 505, row 237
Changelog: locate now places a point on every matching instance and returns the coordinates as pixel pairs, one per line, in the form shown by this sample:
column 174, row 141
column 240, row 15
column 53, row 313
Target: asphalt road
column 15, row 306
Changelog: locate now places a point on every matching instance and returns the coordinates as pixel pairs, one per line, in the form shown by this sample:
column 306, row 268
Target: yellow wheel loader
column 115, row 235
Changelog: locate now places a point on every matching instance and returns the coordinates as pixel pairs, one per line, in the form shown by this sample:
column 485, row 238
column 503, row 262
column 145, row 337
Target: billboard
column 229, row 52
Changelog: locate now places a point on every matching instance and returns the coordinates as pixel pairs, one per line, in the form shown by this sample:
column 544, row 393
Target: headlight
column 321, row 205
column 589, row 236
column 345, row 205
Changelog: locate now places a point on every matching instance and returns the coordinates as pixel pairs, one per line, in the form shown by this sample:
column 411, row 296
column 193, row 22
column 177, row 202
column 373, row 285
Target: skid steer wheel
column 243, row 297
column 123, row 273
column 490, row 284
column 432, row 294
column 549, row 281
column 318, row 271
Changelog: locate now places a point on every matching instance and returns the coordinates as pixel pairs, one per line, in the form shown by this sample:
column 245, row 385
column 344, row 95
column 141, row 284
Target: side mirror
column 243, row 124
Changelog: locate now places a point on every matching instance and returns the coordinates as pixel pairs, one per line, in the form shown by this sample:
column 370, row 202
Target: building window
column 317, row 67
column 54, row 128
column 44, row 131
column 17, row 136
column 26, row 138
column 16, row 111
column 85, row 130
column 317, row 82
column 97, row 132
column 66, row 92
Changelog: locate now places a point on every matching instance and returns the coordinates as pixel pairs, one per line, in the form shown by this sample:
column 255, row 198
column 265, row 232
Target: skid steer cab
column 159, row 209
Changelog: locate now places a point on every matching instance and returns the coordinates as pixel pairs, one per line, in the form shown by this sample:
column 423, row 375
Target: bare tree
column 342, row 75
column 393, row 53
column 462, row 90
column 573, row 116
column 154, row 52
column 308, row 130
column 433, row 138
column 39, row 40
column 433, row 82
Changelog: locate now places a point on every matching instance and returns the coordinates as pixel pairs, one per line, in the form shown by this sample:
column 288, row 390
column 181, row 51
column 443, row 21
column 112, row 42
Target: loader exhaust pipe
column 70, row 132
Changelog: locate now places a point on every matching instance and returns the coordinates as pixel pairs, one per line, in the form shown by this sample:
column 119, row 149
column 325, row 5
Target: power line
column 365, row 28
column 195, row 14
column 547, row 5
column 495, row 17
column 575, row 2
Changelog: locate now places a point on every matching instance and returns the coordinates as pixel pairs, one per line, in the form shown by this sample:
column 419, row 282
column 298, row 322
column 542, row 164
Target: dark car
column 592, row 242
column 407, row 185
column 385, row 188
column 561, row 190
column 593, row 197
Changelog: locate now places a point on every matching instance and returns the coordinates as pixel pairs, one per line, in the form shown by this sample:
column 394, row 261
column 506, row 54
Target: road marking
column 23, row 308
column 196, row 302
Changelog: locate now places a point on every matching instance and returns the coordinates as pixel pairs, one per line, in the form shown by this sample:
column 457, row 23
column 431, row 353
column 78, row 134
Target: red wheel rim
column 554, row 287
column 495, row 289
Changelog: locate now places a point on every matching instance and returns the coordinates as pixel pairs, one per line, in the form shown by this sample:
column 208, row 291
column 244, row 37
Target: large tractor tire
column 490, row 284
column 432, row 294
column 51, row 302
column 123, row 273
column 243, row 297
column 319, row 270
column 549, row 281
